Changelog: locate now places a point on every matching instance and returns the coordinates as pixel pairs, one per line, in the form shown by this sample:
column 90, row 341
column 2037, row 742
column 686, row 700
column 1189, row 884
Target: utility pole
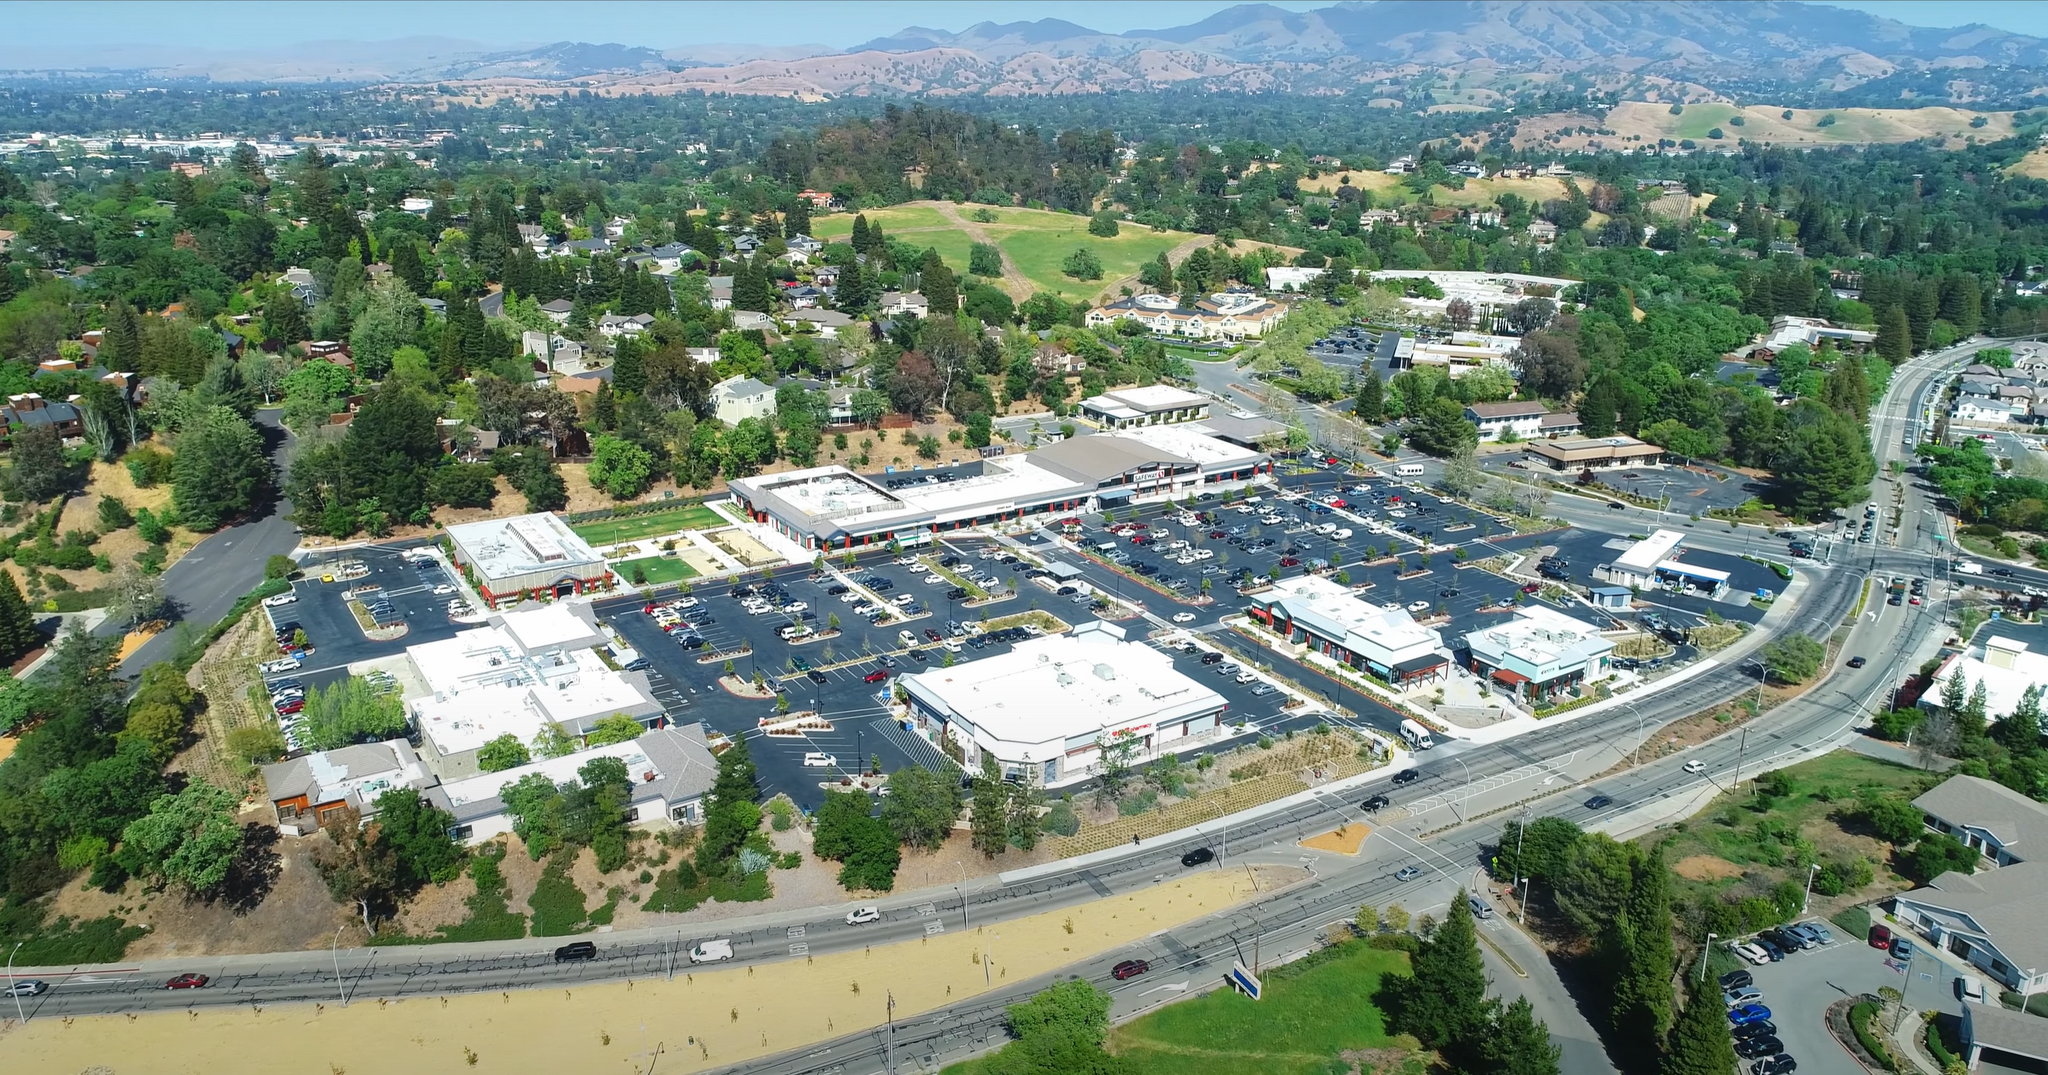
column 1704, row 949
column 1740, row 745
column 333, row 949
column 1521, row 868
column 19, row 1015
column 889, row 1041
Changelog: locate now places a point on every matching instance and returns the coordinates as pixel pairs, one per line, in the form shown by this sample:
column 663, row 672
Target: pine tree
column 732, row 804
column 18, row 634
column 7, row 289
column 797, row 221
column 941, row 291
column 1845, row 390
column 854, row 291
column 1894, row 335
column 990, row 818
column 1640, row 945
column 1514, row 1043
column 1370, row 405
column 2020, row 731
column 1700, row 1044
column 1597, row 410
column 859, row 239
column 1444, row 1000
column 406, row 265
column 629, row 373
column 121, row 342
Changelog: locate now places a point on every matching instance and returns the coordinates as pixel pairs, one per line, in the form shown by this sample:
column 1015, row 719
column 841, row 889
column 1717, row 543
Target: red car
column 1340, row 503
column 876, row 676
column 649, row 609
column 286, row 709
column 1880, row 937
column 1140, row 526
column 1129, row 968
column 932, row 634
column 1532, row 587
column 1217, row 535
column 187, row 981
column 1289, row 561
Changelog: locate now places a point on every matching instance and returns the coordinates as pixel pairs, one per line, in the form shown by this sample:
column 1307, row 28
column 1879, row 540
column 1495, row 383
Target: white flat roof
column 560, row 770
column 1541, row 635
column 551, row 626
column 1156, row 396
column 1678, row 567
column 1065, row 686
column 1646, row 554
column 1010, row 480
column 463, row 722
column 503, row 548
column 1338, row 614
column 482, row 684
column 1188, row 443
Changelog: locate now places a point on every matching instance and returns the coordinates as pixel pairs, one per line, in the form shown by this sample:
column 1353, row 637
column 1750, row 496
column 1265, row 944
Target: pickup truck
column 711, row 951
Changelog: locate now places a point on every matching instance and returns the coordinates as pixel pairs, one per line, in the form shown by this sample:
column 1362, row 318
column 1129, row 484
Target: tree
column 1059, row 1031
column 990, row 820
column 1895, row 820
column 1462, row 476
column 1639, row 952
column 465, row 485
column 1592, row 885
column 1894, row 336
column 1370, row 405
column 18, row 634
column 504, row 752
column 941, row 290
column 359, row 865
column 1793, row 658
column 921, row 807
column 418, row 833
column 217, row 470
column 388, row 322
column 620, row 467
column 1538, row 851
column 2019, row 732
column 539, row 813
column 617, row 728
column 730, row 812
column 1104, row 224
column 1082, row 264
column 1700, row 1042
column 190, row 839
column 1938, row 853
column 39, row 468
column 1514, row 1042
column 985, row 259
column 1441, row 429
column 864, row 847
column 1444, row 1000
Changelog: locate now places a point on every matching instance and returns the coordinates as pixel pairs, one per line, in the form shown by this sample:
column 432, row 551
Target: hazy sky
column 72, row 29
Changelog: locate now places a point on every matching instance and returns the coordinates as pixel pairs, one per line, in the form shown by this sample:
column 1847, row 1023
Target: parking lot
column 830, row 675
column 331, row 628
column 1798, row 990
column 1689, row 491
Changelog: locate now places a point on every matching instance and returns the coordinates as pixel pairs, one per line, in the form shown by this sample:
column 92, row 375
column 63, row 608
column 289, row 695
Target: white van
column 1417, row 735
column 1409, row 470
column 711, row 951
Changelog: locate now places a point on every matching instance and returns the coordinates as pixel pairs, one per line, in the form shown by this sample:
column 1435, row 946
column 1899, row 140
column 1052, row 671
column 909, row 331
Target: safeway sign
column 1245, row 980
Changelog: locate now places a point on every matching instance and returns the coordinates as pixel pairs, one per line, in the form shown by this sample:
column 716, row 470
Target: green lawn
column 1038, row 252
column 659, row 569
column 892, row 219
column 611, row 531
column 1305, row 1019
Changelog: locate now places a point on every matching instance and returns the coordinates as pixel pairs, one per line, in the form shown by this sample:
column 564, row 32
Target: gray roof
column 557, row 306
column 1246, row 431
column 2003, row 903
column 678, row 753
column 1994, row 1026
column 745, row 386
column 324, row 775
column 2020, row 823
column 1094, row 459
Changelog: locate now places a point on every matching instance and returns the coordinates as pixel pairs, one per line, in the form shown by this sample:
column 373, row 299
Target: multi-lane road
column 1443, row 824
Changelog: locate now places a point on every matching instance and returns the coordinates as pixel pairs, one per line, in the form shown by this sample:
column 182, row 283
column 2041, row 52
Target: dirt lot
column 730, row 1017
column 82, row 513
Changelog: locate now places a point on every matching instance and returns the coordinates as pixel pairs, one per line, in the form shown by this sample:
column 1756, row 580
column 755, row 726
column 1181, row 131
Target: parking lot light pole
column 1811, row 870
column 1704, row 949
column 334, row 949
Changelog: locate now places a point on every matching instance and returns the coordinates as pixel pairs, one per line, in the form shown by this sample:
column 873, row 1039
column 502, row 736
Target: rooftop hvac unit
column 648, row 776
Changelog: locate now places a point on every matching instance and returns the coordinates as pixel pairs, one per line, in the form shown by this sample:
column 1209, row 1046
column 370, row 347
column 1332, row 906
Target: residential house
column 30, row 410
column 535, row 237
column 702, row 355
column 1813, row 331
column 670, row 768
column 616, row 325
column 1987, row 411
column 904, row 302
column 737, row 398
column 802, row 296
column 804, row 244
column 615, row 228
column 306, row 792
column 746, row 244
column 827, row 322
column 1232, row 315
column 1543, row 232
column 2003, row 825
column 819, row 199
column 584, row 247
column 669, row 257
column 437, row 307
column 750, row 319
column 839, row 405
column 1524, row 420
column 825, row 277
column 1992, row 920
column 416, row 206
column 721, row 291
column 558, row 310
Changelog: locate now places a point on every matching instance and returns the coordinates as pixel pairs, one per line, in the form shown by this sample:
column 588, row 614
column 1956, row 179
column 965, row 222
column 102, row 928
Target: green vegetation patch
column 1312, row 1010
column 490, row 917
column 611, row 531
column 654, row 570
column 62, row 941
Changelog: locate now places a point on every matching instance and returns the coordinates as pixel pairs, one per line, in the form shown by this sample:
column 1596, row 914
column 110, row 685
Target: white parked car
column 1695, row 766
column 863, row 914
column 281, row 599
column 935, row 580
column 1397, row 513
column 287, row 664
column 1341, row 534
column 1418, row 606
column 1246, row 677
column 443, row 590
column 905, row 599
column 1326, row 528
column 1205, row 554
column 816, row 759
column 1183, row 617
column 1750, row 952
column 906, row 561
column 796, row 606
column 906, row 638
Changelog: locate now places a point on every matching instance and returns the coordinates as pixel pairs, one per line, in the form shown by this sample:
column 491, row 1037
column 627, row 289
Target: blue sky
column 211, row 25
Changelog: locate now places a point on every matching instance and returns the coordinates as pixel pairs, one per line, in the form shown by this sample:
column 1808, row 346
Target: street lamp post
column 1521, row 868
column 334, row 949
column 1811, row 870
column 1704, row 949
column 19, row 1015
column 1637, row 755
column 1465, row 796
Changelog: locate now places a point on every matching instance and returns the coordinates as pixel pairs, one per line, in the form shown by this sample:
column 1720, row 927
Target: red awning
column 1510, row 677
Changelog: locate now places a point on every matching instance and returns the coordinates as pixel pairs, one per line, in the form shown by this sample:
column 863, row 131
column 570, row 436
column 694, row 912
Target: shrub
column 1859, row 1022
column 1061, row 819
column 1396, row 942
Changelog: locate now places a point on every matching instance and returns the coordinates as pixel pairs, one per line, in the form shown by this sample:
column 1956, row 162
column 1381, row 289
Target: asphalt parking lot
column 857, row 708
column 1799, row 989
column 1691, row 491
column 337, row 639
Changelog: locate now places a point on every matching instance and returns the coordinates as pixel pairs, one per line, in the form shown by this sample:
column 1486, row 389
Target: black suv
column 1197, row 857
column 1375, row 803
column 1211, row 657
column 575, row 952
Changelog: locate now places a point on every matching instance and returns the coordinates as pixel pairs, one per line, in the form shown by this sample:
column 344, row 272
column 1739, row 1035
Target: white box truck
column 1417, row 735
column 1969, row 567
column 711, row 951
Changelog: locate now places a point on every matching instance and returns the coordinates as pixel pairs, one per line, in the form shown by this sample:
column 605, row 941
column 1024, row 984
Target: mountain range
column 1720, row 46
